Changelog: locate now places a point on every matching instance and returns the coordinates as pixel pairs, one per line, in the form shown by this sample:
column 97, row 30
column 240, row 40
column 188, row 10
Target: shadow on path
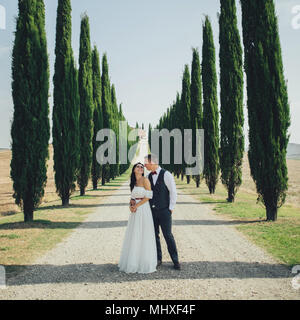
column 97, row 273
column 46, row 224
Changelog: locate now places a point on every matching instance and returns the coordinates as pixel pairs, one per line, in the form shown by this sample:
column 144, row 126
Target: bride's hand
column 132, row 202
column 134, row 208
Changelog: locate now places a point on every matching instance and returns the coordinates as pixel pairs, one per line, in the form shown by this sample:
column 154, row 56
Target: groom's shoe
column 177, row 266
column 159, row 262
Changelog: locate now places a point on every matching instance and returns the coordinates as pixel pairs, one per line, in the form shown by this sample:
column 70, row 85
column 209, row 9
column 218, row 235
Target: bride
column 139, row 247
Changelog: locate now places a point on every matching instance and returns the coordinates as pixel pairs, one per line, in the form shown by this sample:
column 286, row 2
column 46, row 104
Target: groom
column 162, row 205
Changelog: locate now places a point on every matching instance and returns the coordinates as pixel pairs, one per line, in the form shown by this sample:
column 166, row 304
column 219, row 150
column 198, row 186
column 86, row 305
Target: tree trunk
column 230, row 194
column 188, row 179
column 82, row 191
column 103, row 176
column 65, row 201
column 271, row 213
column 28, row 211
column 230, row 198
column 211, row 188
column 95, row 185
column 197, row 179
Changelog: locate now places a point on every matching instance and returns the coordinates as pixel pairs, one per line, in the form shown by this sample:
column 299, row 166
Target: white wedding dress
column 139, row 247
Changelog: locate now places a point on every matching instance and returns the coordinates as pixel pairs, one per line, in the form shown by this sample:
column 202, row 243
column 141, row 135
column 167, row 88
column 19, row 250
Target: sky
column 147, row 45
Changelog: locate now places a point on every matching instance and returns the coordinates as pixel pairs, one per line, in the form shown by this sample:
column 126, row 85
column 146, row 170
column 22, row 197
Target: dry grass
column 293, row 193
column 20, row 243
column 7, row 203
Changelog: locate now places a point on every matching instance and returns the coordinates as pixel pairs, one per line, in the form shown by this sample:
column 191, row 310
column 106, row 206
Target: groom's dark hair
column 152, row 158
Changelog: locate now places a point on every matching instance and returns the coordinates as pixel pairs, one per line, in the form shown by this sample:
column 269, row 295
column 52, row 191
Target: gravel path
column 217, row 261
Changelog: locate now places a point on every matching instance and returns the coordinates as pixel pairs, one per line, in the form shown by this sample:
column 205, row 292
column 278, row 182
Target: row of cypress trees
column 84, row 101
column 195, row 108
column 267, row 103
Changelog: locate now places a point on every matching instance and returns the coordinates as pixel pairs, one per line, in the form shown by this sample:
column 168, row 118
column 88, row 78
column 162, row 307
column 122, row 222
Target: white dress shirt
column 170, row 183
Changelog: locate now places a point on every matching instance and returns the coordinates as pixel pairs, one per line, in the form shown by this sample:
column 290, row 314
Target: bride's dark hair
column 132, row 177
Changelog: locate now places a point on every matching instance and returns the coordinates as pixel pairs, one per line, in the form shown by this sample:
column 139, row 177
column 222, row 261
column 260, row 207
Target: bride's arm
column 147, row 186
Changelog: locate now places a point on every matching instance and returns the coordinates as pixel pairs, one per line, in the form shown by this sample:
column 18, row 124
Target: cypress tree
column 196, row 91
column 106, row 109
column 177, row 125
column 115, row 127
column 173, row 144
column 167, row 125
column 231, row 84
column 121, row 118
column 124, row 167
column 196, row 103
column 98, row 116
column 30, row 130
column 86, row 105
column 149, row 136
column 185, row 109
column 268, row 107
column 210, row 109
column 65, row 130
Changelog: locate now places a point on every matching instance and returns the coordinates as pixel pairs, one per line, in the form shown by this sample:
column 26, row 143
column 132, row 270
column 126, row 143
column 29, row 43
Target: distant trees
column 189, row 112
column 149, row 135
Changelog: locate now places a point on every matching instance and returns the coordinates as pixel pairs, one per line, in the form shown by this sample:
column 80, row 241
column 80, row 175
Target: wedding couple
column 151, row 205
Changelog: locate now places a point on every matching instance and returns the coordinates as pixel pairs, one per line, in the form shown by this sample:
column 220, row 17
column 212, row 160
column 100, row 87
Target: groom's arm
column 171, row 185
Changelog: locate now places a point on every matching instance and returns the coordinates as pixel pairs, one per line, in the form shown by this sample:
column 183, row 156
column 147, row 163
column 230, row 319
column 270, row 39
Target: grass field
column 280, row 238
column 21, row 243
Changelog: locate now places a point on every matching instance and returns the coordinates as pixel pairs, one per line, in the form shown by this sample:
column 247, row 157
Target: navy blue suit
column 162, row 215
